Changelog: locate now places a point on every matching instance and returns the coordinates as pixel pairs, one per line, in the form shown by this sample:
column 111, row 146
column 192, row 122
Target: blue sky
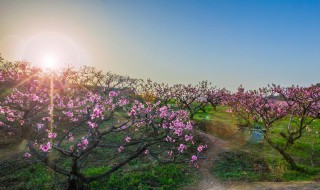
column 249, row 42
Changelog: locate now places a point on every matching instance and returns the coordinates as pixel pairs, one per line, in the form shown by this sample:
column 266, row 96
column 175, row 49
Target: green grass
column 310, row 174
column 240, row 166
column 136, row 175
column 148, row 177
column 22, row 175
column 37, row 176
column 305, row 151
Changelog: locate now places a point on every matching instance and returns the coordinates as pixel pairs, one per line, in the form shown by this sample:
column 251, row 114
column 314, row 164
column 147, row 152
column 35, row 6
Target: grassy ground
column 260, row 162
column 23, row 175
column 18, row 172
column 245, row 161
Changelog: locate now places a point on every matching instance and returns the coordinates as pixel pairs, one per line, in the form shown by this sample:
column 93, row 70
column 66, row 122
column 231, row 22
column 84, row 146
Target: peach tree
column 80, row 126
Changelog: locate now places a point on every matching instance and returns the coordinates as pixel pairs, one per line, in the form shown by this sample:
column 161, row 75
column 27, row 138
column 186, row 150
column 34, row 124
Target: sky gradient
column 248, row 42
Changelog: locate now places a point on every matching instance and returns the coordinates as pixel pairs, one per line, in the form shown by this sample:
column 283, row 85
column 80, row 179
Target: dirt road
column 208, row 181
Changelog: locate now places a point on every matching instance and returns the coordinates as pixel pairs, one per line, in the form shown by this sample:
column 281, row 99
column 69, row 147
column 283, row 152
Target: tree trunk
column 75, row 184
column 214, row 106
column 285, row 155
column 203, row 110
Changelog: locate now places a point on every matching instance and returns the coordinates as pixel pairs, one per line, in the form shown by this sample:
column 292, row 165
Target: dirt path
column 217, row 145
column 302, row 185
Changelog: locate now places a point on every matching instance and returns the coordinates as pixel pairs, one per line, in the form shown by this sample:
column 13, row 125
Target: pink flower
column 120, row 149
column 69, row 114
column 188, row 137
column 45, row 148
column 146, row 151
column 96, row 113
column 189, row 126
column 229, row 110
column 39, row 126
column 200, row 148
column 181, row 148
column 178, row 131
column 169, row 139
column 74, row 119
column 70, row 104
column 193, row 158
column 92, row 125
column 52, row 135
column 83, row 144
column 112, row 94
column 27, row 155
column 1, row 77
column 46, row 119
column 128, row 139
column 34, row 97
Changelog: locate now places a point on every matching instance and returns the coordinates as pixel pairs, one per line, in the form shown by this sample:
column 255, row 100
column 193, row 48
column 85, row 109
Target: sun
column 51, row 51
column 49, row 61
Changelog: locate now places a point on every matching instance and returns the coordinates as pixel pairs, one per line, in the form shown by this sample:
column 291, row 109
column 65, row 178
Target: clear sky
column 249, row 42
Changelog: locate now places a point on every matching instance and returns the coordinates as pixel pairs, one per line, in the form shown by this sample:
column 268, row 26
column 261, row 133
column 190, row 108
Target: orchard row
column 72, row 113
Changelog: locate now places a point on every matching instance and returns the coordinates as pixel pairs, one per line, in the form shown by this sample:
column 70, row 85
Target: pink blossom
column 169, row 139
column 181, row 148
column 70, row 104
column 83, row 144
column 193, row 158
column 229, row 110
column 92, row 125
column 69, row 114
column 146, row 151
column 46, row 119
column 52, row 135
column 188, row 137
column 34, row 97
column 45, row 148
column 178, row 132
column 128, row 139
column 27, row 155
column 96, row 113
column 1, row 77
column 123, row 102
column 189, row 126
column 120, row 149
column 74, row 119
column 112, row 94
column 200, row 148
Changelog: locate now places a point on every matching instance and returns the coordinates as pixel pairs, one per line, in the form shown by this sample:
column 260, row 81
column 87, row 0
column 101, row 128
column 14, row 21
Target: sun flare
column 49, row 62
